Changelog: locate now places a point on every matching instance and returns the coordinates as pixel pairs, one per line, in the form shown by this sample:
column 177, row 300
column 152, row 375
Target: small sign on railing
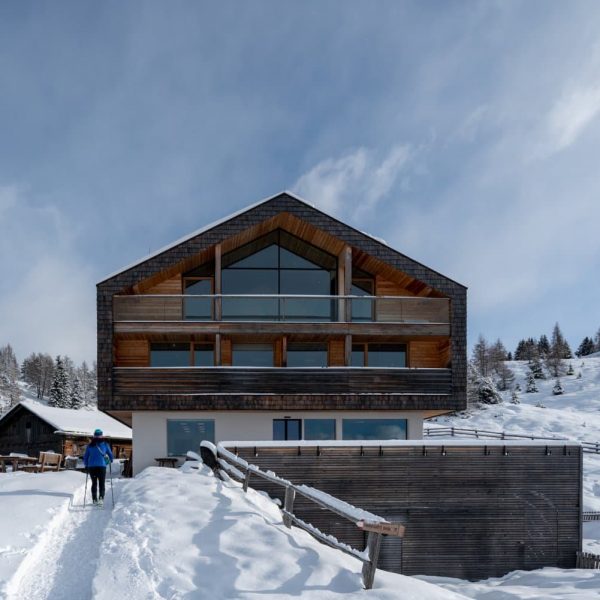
column 385, row 528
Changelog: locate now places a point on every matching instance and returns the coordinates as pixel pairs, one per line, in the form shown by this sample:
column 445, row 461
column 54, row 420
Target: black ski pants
column 98, row 476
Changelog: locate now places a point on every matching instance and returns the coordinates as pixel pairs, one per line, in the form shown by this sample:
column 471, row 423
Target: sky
column 465, row 134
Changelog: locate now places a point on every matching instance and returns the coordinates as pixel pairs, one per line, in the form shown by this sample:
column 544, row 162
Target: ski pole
column 85, row 489
column 112, row 493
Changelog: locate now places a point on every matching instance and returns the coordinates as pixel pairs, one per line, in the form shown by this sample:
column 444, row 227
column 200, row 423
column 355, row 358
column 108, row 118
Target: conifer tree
column 59, row 392
column 76, row 397
column 543, row 346
column 481, row 356
column 586, row 347
column 557, row 390
column 597, row 341
column 509, row 356
column 9, row 376
column 514, row 397
column 531, row 386
column 570, row 370
column 536, row 368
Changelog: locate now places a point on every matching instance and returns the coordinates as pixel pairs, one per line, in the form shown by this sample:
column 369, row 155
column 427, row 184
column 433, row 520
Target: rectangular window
column 358, row 356
column 184, row 435
column 252, row 355
column 204, row 355
column 306, row 355
column 198, row 309
column 374, row 429
column 319, row 429
column 386, row 355
column 362, row 309
column 169, row 355
column 287, row 429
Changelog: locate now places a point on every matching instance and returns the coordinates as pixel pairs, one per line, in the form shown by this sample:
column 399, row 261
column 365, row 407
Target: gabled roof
column 80, row 422
column 289, row 202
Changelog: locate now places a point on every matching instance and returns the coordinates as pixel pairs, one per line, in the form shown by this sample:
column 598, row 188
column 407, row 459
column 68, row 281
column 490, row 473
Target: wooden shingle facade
column 375, row 300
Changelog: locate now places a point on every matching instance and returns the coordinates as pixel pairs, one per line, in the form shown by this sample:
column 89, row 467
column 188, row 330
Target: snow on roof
column 80, row 422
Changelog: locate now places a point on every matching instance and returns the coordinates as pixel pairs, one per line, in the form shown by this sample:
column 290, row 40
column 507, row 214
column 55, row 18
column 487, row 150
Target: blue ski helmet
column 98, row 433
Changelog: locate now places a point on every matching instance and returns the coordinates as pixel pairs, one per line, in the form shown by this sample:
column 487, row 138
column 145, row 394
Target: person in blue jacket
column 97, row 456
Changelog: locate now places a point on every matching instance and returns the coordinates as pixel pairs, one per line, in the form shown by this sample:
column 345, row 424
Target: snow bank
column 29, row 503
column 177, row 534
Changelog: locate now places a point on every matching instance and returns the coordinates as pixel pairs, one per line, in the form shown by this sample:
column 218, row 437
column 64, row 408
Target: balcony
column 281, row 309
column 242, row 388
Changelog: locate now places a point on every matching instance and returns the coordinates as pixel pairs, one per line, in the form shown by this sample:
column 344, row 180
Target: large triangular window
column 278, row 277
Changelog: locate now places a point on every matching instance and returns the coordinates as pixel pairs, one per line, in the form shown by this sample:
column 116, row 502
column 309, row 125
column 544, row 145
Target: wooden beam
column 218, row 287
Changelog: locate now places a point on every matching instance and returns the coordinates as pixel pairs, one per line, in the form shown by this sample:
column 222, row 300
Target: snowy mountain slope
column 189, row 535
column 574, row 415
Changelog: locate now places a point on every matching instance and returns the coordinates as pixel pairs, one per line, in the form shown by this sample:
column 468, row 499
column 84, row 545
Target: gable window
column 198, row 309
column 378, row 355
column 287, row 429
column 169, row 355
column 362, row 285
column 278, row 264
column 306, row 354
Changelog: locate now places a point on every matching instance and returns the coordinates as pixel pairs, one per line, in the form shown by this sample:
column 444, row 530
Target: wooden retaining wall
column 471, row 511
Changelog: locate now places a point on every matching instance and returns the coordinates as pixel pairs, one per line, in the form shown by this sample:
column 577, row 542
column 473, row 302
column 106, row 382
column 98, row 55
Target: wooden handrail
column 589, row 447
column 238, row 468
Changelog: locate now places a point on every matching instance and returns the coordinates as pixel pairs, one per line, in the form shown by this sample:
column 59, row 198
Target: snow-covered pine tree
column 514, row 397
column 75, row 396
column 480, row 389
column 559, row 345
column 531, row 386
column 536, row 368
column 9, row 376
column 509, row 356
column 59, row 391
column 505, row 377
column 597, row 341
column 570, row 370
column 87, row 378
column 557, row 390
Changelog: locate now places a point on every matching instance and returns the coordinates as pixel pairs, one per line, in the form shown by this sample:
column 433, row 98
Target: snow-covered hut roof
column 76, row 422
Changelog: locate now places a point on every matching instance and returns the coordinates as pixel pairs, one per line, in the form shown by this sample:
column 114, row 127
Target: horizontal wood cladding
column 470, row 512
column 173, row 285
column 337, row 353
column 241, row 327
column 309, row 223
column 288, row 402
column 132, row 353
column 241, row 380
column 428, row 354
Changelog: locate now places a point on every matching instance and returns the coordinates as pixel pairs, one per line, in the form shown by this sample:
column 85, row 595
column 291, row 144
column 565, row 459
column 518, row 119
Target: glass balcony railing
column 288, row 308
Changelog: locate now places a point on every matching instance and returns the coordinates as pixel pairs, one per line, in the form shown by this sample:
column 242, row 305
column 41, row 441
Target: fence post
column 369, row 568
column 288, row 505
column 247, row 480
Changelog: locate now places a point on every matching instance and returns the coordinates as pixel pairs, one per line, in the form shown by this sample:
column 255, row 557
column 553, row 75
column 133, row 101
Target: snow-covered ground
column 173, row 535
column 178, row 534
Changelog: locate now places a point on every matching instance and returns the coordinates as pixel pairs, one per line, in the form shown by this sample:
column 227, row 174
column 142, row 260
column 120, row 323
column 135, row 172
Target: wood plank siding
column 139, row 293
column 470, row 512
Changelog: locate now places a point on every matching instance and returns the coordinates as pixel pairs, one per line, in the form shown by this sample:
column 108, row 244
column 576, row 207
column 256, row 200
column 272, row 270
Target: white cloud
column 572, row 114
column 354, row 183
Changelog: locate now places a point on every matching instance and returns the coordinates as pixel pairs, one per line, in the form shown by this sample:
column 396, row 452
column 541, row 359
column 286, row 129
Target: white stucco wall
column 150, row 427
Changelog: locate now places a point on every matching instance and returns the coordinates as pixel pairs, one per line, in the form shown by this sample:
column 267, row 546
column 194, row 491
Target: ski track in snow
column 66, row 557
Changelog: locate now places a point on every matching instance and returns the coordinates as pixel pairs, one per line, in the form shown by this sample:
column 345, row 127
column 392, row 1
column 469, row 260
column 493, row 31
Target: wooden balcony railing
column 286, row 308
column 258, row 380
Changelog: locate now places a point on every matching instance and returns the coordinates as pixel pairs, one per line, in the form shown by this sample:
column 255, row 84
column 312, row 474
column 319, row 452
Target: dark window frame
column 365, row 350
column 287, row 421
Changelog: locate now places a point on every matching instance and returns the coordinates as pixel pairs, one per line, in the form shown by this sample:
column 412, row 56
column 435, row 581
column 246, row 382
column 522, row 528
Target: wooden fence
column 590, row 447
column 587, row 560
column 220, row 458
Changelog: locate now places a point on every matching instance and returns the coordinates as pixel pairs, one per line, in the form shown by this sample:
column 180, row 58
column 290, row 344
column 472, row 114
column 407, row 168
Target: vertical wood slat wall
column 471, row 512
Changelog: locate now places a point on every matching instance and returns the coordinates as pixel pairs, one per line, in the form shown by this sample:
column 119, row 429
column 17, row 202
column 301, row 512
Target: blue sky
column 466, row 134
